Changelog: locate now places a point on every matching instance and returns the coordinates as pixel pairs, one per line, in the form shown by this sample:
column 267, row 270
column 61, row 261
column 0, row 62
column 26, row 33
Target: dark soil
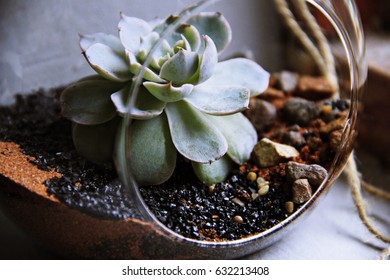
column 183, row 204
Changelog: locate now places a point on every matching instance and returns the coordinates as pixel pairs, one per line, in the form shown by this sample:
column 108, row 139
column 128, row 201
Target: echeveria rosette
column 188, row 103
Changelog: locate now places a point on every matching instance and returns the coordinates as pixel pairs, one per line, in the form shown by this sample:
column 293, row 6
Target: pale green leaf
column 152, row 154
column 109, row 40
column 208, row 60
column 131, row 29
column 95, row 142
column 219, row 100
column 147, row 43
column 240, row 72
column 192, row 35
column 108, row 63
column 145, row 106
column 214, row 25
column 215, row 172
column 180, row 68
column 88, row 101
column 193, row 134
column 240, row 134
column 136, row 67
column 167, row 92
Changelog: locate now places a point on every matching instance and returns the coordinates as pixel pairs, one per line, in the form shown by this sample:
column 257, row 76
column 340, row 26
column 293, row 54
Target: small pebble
column 267, row 153
column 238, row 201
column 326, row 109
column 238, row 219
column 300, row 111
column 293, row 138
column 315, row 173
column 301, row 191
column 289, row 205
column 215, row 217
column 314, row 88
column 261, row 113
column 263, row 190
column 252, row 176
column 336, row 124
column 335, row 139
column 211, row 189
column 288, row 81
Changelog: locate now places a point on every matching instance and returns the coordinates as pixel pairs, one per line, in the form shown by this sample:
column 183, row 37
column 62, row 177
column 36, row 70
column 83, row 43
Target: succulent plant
column 188, row 101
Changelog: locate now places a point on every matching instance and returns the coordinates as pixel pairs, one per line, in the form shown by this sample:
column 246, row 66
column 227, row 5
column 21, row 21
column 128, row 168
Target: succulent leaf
column 167, row 92
column 151, row 150
column 95, row 142
column 147, row 43
column 136, row 67
column 88, row 101
column 192, row 35
column 215, row 172
column 109, row 40
column 240, row 72
column 208, row 61
column 219, row 100
column 193, row 135
column 105, row 61
column 145, row 106
column 180, row 67
column 131, row 29
column 239, row 133
column 214, row 25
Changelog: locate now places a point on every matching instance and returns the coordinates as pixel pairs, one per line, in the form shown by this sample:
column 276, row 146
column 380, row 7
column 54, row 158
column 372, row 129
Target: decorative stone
column 293, row 138
column 314, row 88
column 301, row 191
column 289, row 205
column 272, row 94
column 261, row 113
column 267, row 153
column 335, row 139
column 336, row 124
column 288, row 80
column 314, row 173
column 300, row 111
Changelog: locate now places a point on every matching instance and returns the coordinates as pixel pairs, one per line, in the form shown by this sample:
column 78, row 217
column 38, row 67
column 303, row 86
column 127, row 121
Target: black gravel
column 34, row 122
column 188, row 207
column 183, row 203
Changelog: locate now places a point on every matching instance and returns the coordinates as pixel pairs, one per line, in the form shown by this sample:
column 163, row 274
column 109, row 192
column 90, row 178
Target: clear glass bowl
column 325, row 38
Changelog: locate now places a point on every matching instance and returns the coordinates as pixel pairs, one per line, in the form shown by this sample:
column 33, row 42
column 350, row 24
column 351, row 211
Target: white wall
column 39, row 38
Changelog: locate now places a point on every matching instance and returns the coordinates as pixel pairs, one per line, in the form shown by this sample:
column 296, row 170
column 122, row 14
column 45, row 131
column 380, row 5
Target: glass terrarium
column 202, row 129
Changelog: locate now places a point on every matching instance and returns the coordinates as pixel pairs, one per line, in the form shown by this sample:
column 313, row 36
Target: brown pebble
column 238, row 219
column 336, row 124
column 211, row 189
column 263, row 190
column 314, row 88
column 315, row 173
column 215, row 217
column 289, row 205
column 261, row 113
column 335, row 139
column 252, row 176
column 301, row 191
column 272, row 94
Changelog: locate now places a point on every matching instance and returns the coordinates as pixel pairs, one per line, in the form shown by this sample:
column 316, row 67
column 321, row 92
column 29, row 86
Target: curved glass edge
column 354, row 47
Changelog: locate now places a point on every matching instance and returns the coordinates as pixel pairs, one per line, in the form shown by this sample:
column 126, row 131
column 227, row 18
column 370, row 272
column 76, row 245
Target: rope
column 292, row 23
column 325, row 61
column 323, row 45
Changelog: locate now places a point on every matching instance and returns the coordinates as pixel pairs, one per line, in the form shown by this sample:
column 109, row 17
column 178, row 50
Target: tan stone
column 267, row 153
